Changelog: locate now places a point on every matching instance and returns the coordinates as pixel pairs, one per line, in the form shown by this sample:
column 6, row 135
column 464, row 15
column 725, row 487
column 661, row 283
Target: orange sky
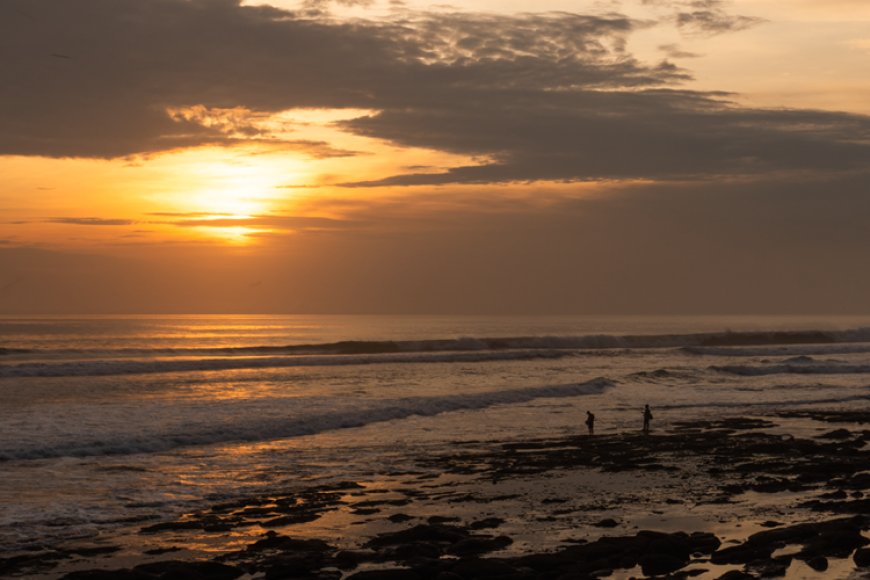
column 603, row 156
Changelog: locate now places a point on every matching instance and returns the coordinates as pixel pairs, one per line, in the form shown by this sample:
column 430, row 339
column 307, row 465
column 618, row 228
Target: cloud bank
column 533, row 96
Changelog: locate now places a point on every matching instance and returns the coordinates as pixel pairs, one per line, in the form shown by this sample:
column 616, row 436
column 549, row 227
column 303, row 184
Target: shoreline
column 734, row 497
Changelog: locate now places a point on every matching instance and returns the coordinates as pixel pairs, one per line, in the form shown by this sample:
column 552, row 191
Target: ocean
column 107, row 422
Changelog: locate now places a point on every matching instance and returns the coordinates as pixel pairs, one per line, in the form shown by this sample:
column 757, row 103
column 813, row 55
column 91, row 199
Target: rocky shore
column 733, row 498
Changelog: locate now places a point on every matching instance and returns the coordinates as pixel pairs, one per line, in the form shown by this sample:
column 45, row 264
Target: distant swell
column 771, row 351
column 6, row 351
column 796, row 368
column 93, row 362
column 131, row 367
column 601, row 341
column 592, row 341
column 794, row 403
column 303, row 425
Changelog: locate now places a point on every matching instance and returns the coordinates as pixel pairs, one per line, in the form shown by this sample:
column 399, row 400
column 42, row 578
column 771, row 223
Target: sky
column 392, row 157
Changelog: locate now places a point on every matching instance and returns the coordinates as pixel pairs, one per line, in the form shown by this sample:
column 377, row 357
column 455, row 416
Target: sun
column 229, row 191
column 240, row 188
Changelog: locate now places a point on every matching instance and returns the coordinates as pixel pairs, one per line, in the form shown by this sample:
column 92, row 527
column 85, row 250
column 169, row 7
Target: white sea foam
column 92, row 367
column 748, row 405
column 249, row 429
column 108, row 361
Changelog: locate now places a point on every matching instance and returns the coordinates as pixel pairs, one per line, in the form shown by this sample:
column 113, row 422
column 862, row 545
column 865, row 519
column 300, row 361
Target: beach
column 423, row 452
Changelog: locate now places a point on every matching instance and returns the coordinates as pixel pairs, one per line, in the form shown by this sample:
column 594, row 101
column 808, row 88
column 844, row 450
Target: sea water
column 107, row 421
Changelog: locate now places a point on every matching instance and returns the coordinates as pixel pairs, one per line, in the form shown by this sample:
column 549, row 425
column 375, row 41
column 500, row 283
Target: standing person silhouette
column 590, row 422
column 647, row 415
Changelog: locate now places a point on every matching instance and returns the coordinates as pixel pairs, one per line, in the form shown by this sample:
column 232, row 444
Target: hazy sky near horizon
column 389, row 156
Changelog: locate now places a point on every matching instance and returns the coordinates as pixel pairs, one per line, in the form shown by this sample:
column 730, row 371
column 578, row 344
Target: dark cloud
column 189, row 214
column 705, row 17
column 709, row 17
column 533, row 96
column 283, row 222
column 91, row 221
column 131, row 60
column 674, row 51
column 595, row 135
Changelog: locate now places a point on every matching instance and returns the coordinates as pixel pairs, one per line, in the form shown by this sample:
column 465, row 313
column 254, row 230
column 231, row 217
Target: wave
column 8, row 351
column 796, row 366
column 260, row 430
column 790, row 403
column 132, row 367
column 773, row 351
column 94, row 362
column 699, row 341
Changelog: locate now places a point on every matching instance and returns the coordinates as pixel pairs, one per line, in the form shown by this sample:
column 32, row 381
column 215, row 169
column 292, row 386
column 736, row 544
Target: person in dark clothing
column 590, row 422
column 647, row 416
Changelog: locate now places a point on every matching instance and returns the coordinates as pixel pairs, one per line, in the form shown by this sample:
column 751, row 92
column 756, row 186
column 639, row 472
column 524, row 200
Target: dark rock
column 737, row 575
column 675, row 545
column 16, row 564
column 834, row 538
column 400, row 518
column 94, row 550
column 350, row 559
column 690, row 573
column 256, row 511
column 421, row 533
column 858, row 506
column 837, row 434
column 158, row 551
column 394, row 574
column 475, row 546
column 819, row 563
column 107, row 575
column 167, row 526
column 741, row 554
column 485, row 524
column 288, row 520
column 483, row 568
column 290, row 568
column 859, row 481
column 837, row 543
column 416, row 551
column 658, row 564
column 862, row 557
column 704, row 542
column 189, row 570
column 442, row 519
column 274, row 541
column 606, row 523
column 773, row 568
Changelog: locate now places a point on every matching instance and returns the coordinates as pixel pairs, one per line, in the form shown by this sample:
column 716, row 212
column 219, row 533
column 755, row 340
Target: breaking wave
column 772, row 351
column 742, row 404
column 253, row 430
column 798, row 366
column 92, row 362
column 591, row 341
column 132, row 367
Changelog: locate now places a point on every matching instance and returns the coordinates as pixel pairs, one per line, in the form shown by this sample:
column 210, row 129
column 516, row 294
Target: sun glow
column 215, row 186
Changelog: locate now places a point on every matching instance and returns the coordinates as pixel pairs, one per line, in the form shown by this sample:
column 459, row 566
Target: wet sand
column 778, row 495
